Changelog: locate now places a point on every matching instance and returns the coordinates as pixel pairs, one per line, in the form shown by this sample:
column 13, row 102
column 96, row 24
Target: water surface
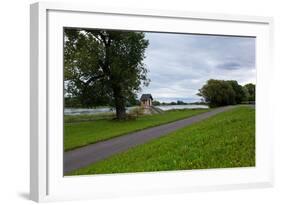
column 92, row 111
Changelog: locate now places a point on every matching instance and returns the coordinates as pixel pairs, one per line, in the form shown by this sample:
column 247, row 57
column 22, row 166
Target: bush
column 135, row 113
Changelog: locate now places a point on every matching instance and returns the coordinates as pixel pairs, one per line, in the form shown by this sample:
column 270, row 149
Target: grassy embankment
column 224, row 140
column 83, row 130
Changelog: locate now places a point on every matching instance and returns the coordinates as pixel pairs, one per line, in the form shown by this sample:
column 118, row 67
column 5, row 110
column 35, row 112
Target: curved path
column 92, row 153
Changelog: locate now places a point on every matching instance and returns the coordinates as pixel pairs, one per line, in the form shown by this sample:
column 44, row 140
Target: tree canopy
column 222, row 92
column 104, row 67
column 251, row 88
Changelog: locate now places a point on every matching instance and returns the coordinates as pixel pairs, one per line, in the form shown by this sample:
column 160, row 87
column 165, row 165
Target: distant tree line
column 157, row 103
column 226, row 92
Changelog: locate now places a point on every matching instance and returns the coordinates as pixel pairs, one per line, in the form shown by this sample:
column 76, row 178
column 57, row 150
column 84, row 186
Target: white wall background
column 14, row 101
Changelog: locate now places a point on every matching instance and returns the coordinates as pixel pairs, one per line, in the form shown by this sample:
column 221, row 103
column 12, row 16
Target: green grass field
column 90, row 129
column 224, row 140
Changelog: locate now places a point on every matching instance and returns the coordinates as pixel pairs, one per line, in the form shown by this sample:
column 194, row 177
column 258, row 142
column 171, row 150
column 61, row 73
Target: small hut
column 146, row 100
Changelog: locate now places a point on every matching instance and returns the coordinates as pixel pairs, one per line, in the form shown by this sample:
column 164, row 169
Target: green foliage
column 222, row 92
column 132, row 101
column 240, row 94
column 72, row 102
column 212, row 143
column 180, row 102
column 83, row 133
column 104, row 67
column 251, row 88
column 156, row 103
column 218, row 93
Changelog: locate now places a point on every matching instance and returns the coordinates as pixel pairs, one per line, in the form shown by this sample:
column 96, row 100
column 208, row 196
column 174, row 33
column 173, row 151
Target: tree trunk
column 120, row 112
column 120, row 104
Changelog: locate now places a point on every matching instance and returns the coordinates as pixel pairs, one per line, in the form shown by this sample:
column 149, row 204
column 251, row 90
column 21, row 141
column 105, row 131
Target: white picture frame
column 46, row 177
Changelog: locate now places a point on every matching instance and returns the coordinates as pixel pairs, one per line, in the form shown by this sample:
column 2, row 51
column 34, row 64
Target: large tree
column 225, row 92
column 240, row 94
column 218, row 93
column 104, row 67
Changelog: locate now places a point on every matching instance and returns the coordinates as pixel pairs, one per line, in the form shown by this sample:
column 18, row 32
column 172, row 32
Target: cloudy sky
column 180, row 64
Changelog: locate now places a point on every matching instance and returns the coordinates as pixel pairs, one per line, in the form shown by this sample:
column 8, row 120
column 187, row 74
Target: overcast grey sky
column 180, row 64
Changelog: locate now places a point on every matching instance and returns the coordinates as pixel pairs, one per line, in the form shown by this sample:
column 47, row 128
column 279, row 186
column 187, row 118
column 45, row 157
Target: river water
column 178, row 107
column 85, row 111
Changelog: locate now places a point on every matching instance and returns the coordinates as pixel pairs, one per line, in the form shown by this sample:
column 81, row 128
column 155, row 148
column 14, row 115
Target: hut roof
column 146, row 97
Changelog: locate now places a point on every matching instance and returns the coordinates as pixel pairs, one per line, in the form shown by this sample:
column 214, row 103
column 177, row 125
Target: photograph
column 148, row 101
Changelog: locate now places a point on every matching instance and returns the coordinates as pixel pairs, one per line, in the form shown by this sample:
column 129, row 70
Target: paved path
column 92, row 153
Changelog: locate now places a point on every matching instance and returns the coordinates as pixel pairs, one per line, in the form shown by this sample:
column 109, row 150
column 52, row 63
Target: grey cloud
column 229, row 66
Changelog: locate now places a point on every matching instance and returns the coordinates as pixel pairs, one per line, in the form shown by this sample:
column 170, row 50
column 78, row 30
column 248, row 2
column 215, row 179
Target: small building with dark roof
column 146, row 100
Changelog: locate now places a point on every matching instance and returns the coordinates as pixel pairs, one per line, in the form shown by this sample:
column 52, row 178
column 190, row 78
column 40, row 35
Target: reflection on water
column 86, row 111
